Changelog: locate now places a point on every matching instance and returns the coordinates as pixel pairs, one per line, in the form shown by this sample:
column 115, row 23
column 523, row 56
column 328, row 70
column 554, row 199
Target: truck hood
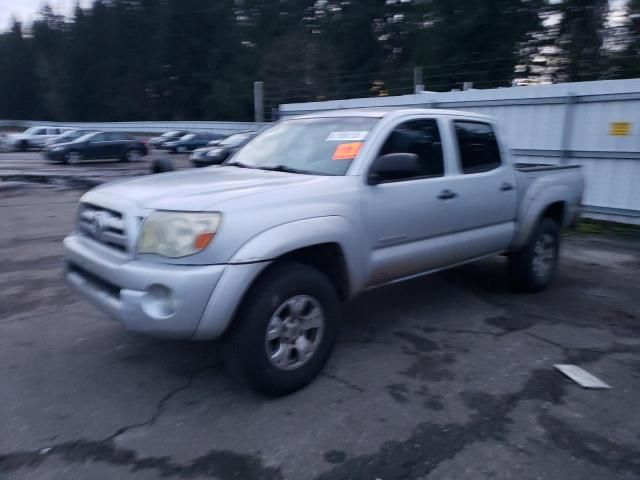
column 199, row 189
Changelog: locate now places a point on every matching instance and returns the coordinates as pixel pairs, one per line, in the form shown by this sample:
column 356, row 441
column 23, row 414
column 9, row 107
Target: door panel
column 407, row 222
column 95, row 147
column 408, row 226
column 114, row 146
column 485, row 189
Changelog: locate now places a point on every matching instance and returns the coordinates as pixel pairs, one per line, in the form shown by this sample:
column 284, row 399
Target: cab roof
column 388, row 112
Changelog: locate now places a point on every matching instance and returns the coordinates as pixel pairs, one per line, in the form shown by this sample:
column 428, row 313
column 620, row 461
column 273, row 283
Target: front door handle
column 447, row 195
column 506, row 186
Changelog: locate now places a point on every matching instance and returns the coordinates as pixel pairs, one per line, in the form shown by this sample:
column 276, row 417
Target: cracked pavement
column 446, row 377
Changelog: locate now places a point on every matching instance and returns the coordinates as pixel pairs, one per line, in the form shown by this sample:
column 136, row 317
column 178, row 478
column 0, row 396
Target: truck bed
column 535, row 179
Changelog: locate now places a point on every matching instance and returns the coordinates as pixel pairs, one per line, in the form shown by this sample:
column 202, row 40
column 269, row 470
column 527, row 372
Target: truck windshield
column 319, row 146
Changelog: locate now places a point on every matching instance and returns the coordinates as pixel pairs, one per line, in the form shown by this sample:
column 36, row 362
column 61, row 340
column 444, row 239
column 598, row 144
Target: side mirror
column 393, row 166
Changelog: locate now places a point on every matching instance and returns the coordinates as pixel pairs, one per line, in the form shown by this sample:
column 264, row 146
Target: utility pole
column 418, row 83
column 258, row 101
column 567, row 127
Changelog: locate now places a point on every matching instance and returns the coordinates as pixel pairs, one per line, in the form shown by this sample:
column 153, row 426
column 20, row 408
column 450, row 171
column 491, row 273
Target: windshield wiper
column 284, row 168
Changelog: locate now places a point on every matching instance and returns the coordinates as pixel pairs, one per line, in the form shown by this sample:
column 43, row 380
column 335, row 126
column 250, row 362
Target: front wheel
column 285, row 331
column 73, row 158
column 532, row 268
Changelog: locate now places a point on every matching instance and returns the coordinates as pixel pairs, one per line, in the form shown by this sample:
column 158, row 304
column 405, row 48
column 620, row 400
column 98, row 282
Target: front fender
column 250, row 260
column 285, row 238
column 531, row 210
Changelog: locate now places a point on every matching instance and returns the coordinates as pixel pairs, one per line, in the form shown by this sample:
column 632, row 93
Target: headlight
column 177, row 234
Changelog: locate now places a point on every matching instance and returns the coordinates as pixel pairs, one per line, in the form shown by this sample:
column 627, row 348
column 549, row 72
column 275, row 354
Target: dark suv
column 98, row 145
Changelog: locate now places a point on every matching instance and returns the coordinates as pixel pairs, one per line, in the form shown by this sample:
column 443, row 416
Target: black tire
column 245, row 347
column 72, row 157
column 132, row 155
column 529, row 269
column 162, row 165
column 23, row 146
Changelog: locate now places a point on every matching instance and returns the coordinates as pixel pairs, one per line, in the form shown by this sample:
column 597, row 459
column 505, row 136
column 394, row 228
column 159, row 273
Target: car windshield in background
column 188, row 136
column 234, row 140
column 322, row 146
column 73, row 134
column 170, row 134
column 86, row 136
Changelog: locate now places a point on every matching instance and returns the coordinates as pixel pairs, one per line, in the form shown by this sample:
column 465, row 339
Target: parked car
column 4, row 144
column 98, row 145
column 190, row 142
column 261, row 250
column 68, row 136
column 215, row 155
column 33, row 137
column 155, row 142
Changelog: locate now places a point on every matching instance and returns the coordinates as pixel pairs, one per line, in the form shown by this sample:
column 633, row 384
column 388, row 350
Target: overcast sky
column 26, row 10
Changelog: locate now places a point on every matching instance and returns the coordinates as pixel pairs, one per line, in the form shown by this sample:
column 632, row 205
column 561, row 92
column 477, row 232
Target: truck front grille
column 103, row 225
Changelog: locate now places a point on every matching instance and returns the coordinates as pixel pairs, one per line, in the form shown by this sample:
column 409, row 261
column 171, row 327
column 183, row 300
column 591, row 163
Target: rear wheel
column 532, row 268
column 23, row 145
column 132, row 155
column 285, row 330
column 73, row 157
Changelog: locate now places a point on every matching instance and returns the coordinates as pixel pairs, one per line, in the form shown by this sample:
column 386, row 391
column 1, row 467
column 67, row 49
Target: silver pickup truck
column 261, row 251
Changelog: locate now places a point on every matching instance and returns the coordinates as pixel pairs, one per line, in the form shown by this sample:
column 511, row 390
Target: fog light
column 158, row 302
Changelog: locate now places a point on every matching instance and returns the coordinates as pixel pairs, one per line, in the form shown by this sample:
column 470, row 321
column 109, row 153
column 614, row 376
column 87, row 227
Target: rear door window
column 478, row 147
column 115, row 136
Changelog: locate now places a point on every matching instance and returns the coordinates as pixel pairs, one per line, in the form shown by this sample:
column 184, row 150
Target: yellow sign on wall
column 620, row 129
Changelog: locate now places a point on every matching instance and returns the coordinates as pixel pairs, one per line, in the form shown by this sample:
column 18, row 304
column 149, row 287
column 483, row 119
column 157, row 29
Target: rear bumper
column 164, row 300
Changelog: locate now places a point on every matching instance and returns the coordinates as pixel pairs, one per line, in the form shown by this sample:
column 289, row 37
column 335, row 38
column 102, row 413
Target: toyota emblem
column 97, row 224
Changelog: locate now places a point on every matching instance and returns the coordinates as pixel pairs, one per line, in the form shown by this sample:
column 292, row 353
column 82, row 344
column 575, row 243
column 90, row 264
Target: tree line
column 197, row 59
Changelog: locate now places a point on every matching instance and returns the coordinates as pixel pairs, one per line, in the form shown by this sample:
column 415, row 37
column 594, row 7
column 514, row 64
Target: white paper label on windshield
column 346, row 136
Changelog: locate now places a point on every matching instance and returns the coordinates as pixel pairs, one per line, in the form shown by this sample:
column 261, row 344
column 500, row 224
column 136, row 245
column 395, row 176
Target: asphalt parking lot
column 32, row 166
column 445, row 377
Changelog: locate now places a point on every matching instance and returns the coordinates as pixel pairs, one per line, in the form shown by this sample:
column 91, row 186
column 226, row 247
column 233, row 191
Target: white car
column 33, row 137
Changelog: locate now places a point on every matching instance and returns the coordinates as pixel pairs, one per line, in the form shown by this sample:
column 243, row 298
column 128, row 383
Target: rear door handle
column 506, row 186
column 447, row 195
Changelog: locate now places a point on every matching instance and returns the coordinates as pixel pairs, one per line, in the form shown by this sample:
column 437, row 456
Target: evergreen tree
column 20, row 97
column 198, row 59
column 579, row 39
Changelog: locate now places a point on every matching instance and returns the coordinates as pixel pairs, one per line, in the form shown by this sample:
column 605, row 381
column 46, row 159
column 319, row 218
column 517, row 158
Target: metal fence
column 594, row 124
column 225, row 128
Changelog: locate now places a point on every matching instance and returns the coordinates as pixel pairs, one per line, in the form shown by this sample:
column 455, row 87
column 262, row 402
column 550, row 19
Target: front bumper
column 165, row 300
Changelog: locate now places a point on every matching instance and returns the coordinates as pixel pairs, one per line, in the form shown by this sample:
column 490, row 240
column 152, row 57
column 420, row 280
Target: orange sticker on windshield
column 347, row 151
